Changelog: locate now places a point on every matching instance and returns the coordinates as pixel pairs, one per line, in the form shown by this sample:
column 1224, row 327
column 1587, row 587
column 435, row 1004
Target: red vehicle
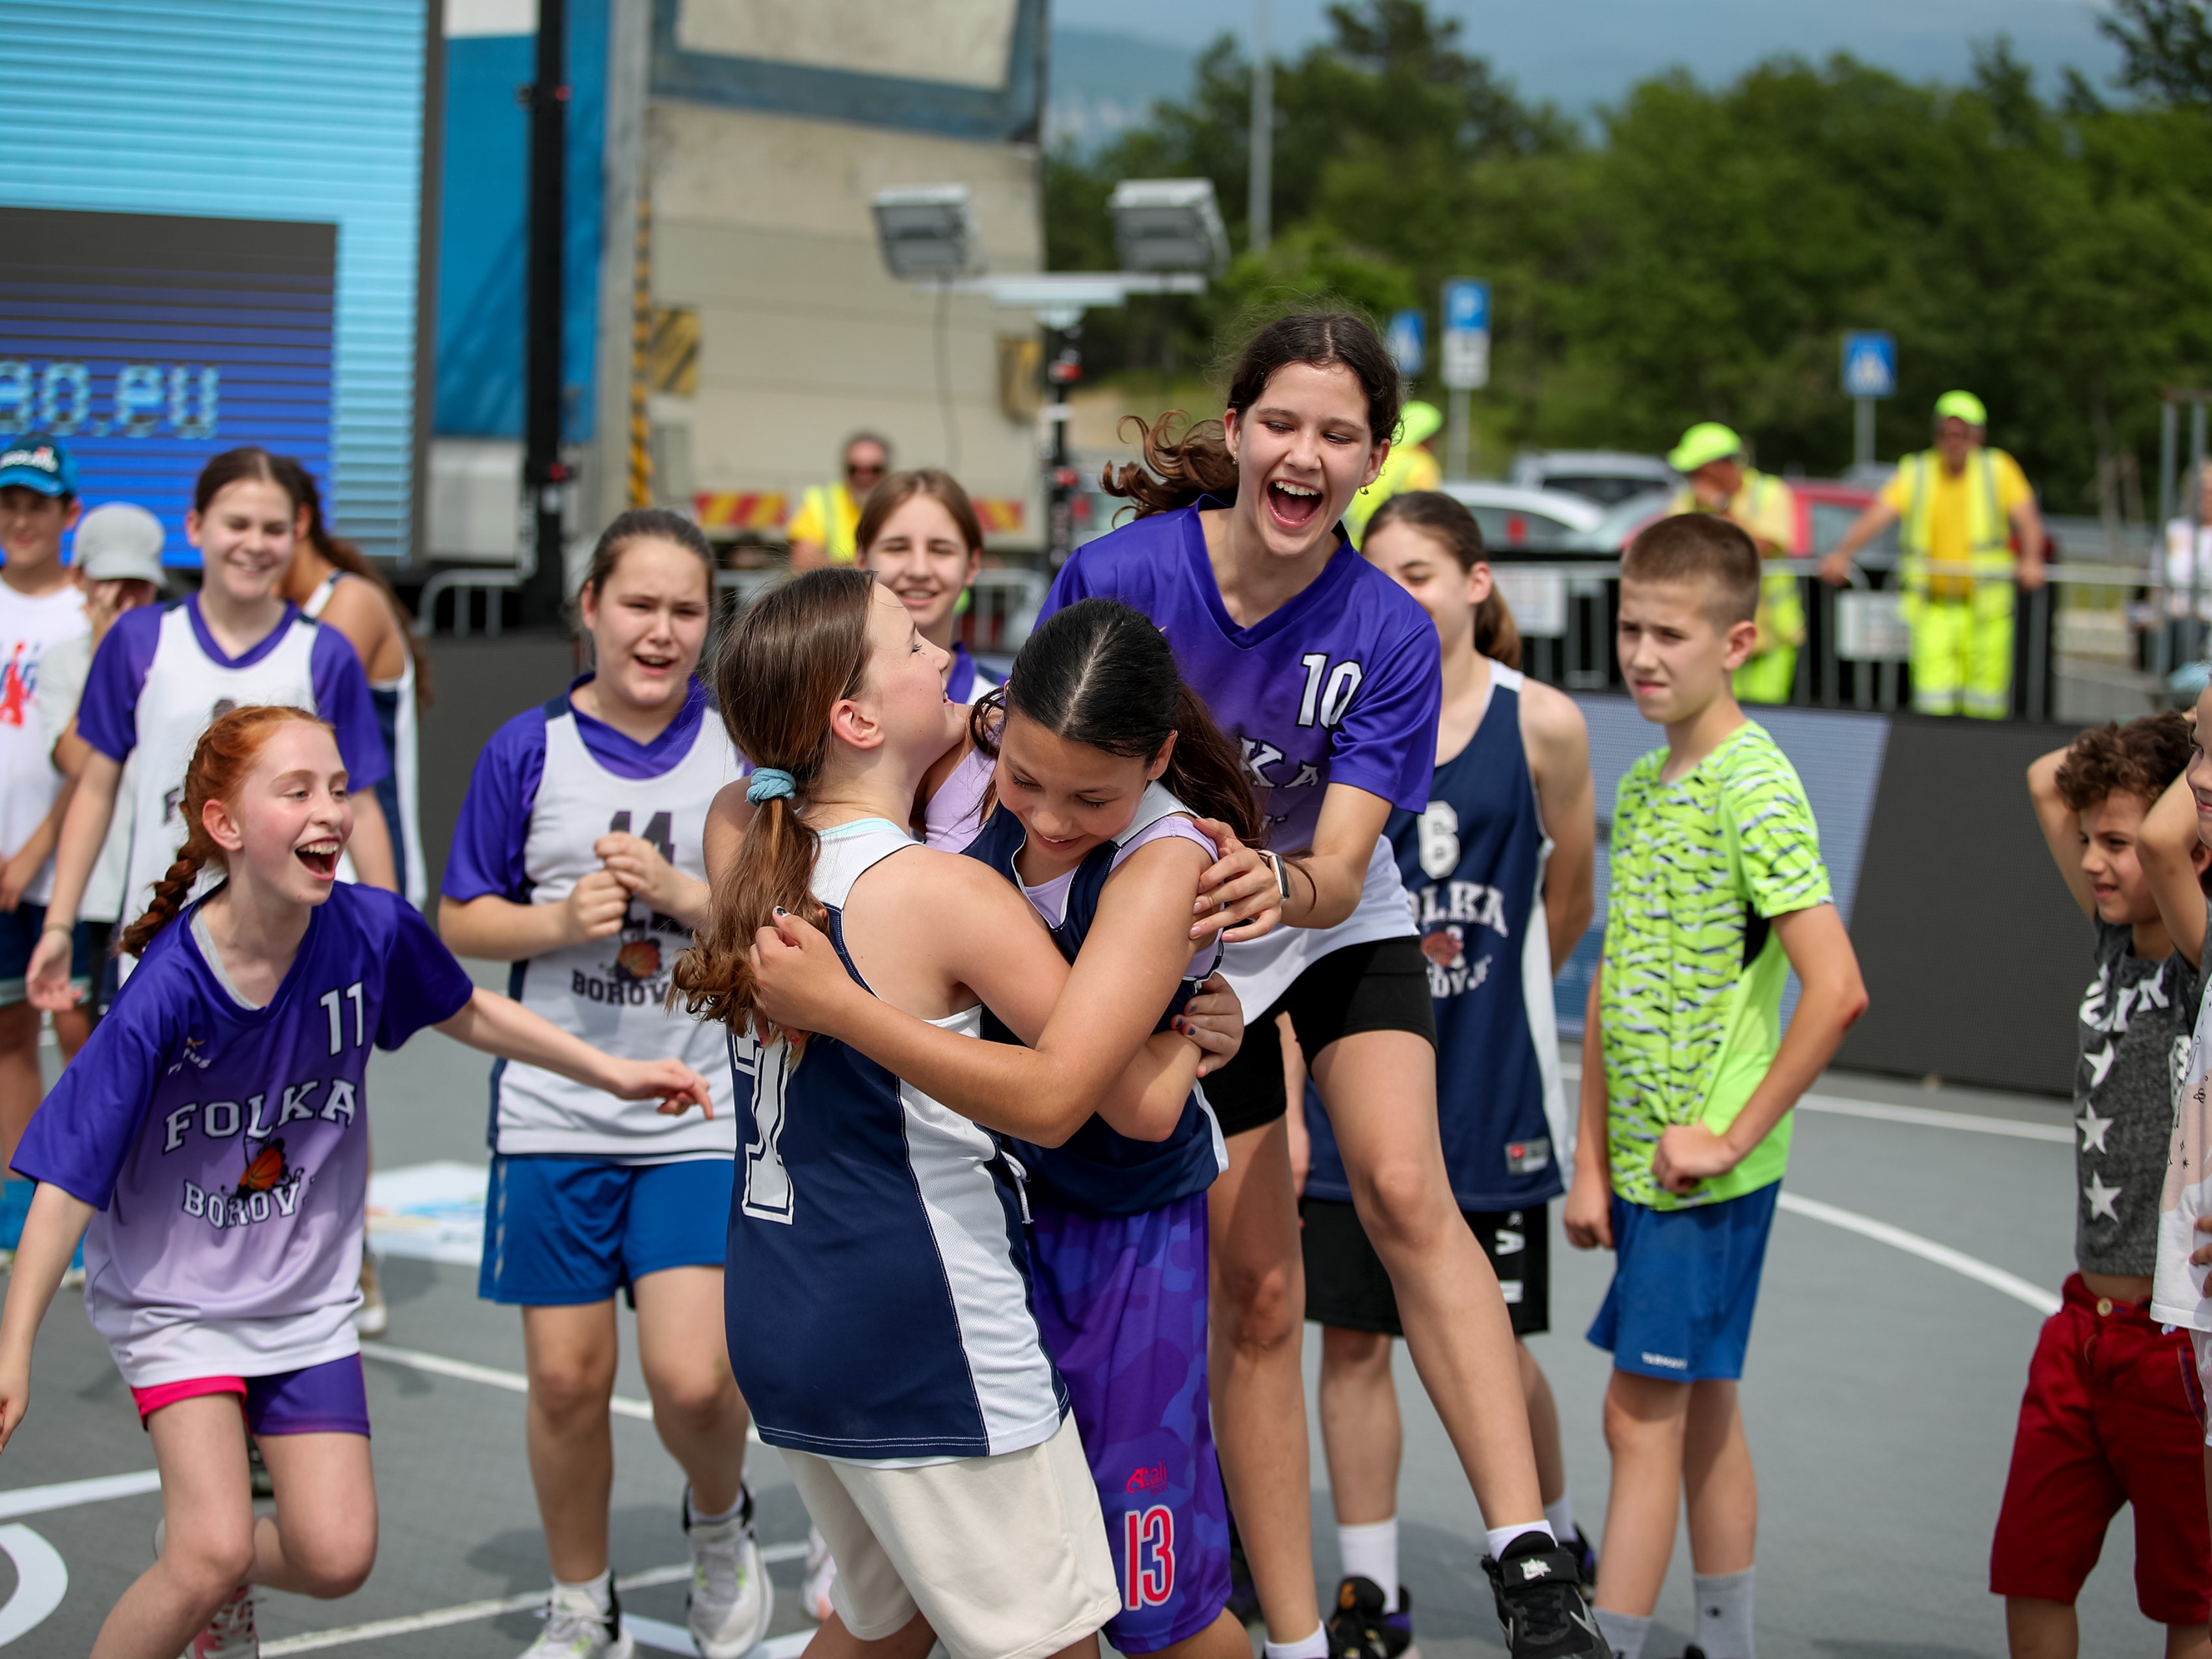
column 1827, row 508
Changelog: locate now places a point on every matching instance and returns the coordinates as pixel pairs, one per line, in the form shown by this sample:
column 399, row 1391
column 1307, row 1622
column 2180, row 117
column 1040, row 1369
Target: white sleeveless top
column 613, row 991
column 184, row 692
column 396, row 714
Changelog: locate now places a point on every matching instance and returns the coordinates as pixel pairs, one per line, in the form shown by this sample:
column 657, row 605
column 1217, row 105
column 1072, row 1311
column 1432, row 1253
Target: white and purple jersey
column 158, row 680
column 547, row 787
column 965, row 682
column 227, row 1146
column 1340, row 684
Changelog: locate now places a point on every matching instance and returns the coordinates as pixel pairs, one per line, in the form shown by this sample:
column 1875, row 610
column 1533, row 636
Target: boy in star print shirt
column 2107, row 1418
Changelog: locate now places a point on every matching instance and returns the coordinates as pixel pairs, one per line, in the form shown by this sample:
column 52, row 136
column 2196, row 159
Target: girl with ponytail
column 1327, row 677
column 877, row 1213
column 212, row 1136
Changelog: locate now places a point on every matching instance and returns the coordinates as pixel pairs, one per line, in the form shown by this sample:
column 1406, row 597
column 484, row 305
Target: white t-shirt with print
column 2178, row 1289
column 62, row 674
column 28, row 779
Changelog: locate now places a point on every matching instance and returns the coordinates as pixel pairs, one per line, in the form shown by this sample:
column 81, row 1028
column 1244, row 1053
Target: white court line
column 1926, row 1117
column 2020, row 1290
column 467, row 1612
column 41, row 1581
column 436, row 1365
column 37, row 1500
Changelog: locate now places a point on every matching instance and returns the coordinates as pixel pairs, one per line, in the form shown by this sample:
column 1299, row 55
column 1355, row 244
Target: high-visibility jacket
column 1407, row 467
column 827, row 514
column 1988, row 526
column 1765, row 508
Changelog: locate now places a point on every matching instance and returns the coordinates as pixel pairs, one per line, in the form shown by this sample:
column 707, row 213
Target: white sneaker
column 732, row 1600
column 230, row 1634
column 576, row 1629
column 372, row 1318
column 821, row 1574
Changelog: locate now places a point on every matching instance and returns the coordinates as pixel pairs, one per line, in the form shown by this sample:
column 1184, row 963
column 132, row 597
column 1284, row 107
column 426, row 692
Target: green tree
column 2166, row 47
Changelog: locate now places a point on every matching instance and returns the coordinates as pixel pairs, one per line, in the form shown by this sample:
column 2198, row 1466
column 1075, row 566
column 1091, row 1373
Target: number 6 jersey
column 549, row 785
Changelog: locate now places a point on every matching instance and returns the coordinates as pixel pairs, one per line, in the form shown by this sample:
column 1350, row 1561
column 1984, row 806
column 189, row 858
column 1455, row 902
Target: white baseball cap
column 119, row 542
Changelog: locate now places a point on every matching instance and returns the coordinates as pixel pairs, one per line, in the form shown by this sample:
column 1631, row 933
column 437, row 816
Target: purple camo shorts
column 1121, row 1303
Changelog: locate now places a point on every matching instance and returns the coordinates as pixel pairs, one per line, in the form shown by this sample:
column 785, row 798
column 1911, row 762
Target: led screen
column 149, row 343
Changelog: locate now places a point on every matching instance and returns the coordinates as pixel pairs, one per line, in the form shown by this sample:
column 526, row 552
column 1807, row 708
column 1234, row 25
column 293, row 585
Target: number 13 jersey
column 549, row 784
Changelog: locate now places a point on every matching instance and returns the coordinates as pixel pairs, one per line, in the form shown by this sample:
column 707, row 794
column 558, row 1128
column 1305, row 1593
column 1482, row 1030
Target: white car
column 1514, row 519
column 1608, row 476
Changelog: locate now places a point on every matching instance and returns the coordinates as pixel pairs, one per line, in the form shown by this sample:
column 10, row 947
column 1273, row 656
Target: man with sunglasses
column 822, row 530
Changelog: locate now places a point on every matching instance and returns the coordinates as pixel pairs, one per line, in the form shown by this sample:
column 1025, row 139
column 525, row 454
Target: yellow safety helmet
column 1418, row 423
column 1703, row 443
column 1961, row 407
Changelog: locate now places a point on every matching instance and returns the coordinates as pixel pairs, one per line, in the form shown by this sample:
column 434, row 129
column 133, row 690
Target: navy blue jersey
column 877, row 1293
column 1474, row 868
column 1097, row 1169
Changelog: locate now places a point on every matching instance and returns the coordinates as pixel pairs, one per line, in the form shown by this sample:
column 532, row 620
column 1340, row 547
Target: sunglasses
column 860, row 471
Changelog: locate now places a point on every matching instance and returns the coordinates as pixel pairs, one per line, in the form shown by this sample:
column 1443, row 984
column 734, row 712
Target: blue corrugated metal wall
column 274, row 109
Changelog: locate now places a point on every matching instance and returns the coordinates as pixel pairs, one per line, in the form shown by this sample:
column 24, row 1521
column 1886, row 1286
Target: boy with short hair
column 2108, row 1417
column 1719, row 890
column 40, row 606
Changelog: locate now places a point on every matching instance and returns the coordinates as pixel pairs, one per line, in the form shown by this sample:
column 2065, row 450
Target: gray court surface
column 1880, row 1399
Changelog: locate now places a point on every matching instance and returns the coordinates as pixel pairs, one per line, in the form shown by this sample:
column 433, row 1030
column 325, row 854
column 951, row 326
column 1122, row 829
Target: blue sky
column 1579, row 53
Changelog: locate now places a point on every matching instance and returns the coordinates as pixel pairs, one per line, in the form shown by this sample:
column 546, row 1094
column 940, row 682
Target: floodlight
column 1168, row 224
column 925, row 230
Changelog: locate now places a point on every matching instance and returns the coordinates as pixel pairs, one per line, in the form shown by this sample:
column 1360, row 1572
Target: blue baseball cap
column 37, row 461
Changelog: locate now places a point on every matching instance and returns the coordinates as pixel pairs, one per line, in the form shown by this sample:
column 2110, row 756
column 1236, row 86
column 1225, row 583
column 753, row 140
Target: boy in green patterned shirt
column 1717, row 892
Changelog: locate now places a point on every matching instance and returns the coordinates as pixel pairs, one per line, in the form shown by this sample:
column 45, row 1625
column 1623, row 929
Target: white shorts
column 1006, row 1557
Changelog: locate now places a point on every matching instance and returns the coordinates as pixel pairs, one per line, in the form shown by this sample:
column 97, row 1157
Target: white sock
column 721, row 1520
column 1623, row 1633
column 1371, row 1551
column 1560, row 1517
column 1724, row 1614
column 600, row 1590
column 1314, row 1647
column 1499, row 1537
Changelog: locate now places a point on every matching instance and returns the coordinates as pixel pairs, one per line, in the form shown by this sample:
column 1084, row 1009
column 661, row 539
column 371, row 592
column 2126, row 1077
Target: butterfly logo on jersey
column 268, row 1186
column 264, row 1169
column 1444, row 947
column 639, row 958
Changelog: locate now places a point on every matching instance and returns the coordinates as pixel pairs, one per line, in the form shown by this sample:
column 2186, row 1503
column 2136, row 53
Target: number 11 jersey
column 549, row 784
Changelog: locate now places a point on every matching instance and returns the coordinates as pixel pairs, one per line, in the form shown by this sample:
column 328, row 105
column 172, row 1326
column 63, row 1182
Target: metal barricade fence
column 1857, row 647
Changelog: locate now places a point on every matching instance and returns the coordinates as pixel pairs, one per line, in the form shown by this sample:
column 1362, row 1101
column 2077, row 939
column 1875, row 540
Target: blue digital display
column 150, row 342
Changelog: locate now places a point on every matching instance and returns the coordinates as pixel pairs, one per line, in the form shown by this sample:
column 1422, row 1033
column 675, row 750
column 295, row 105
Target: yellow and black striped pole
column 641, row 344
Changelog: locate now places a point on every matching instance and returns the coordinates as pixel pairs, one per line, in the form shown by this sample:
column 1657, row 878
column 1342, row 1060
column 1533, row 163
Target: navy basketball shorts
column 1121, row 1301
column 562, row 1233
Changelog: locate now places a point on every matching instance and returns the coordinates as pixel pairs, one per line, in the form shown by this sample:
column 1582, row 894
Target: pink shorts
column 326, row 1398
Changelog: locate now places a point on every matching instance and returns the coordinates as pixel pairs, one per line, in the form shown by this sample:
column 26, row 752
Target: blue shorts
column 1683, row 1283
column 561, row 1232
column 19, row 937
column 1121, row 1301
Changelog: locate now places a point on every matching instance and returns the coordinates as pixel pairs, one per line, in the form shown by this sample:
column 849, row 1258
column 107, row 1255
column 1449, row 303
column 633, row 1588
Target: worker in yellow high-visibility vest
column 1408, row 467
column 822, row 530
column 1720, row 478
column 1957, row 507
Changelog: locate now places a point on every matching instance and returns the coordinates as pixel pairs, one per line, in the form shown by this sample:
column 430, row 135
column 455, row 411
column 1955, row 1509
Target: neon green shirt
column 1690, row 1025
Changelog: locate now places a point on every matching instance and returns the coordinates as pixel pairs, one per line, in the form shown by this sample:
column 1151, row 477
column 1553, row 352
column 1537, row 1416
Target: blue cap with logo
column 37, row 461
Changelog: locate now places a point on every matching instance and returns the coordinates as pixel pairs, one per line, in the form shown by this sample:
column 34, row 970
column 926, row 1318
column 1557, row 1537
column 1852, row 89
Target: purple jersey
column 1342, row 685
column 226, row 1147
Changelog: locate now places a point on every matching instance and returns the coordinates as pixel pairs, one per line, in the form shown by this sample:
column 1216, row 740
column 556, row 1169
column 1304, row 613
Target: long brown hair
column 1100, row 674
column 225, row 756
column 785, row 662
column 900, row 488
column 299, row 483
column 1184, row 462
column 1496, row 634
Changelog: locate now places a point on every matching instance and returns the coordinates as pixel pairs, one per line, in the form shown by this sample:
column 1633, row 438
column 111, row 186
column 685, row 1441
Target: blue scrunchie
column 768, row 783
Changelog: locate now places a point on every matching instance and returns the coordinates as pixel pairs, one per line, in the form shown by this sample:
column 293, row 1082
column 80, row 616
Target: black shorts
column 1380, row 985
column 1347, row 1287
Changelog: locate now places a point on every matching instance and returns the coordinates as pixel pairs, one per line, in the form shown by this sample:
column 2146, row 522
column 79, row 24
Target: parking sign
column 1466, row 357
column 1869, row 364
column 1407, row 340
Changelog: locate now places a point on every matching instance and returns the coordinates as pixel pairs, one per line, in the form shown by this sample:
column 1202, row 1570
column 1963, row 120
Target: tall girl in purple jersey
column 213, row 1135
column 1328, row 675
column 919, row 534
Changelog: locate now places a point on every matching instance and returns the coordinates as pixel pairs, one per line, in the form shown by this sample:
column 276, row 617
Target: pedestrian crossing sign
column 1869, row 364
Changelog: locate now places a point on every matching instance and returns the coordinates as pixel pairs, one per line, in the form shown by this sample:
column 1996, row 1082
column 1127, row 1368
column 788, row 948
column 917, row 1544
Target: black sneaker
column 1585, row 1554
column 1540, row 1601
column 1360, row 1629
column 1244, row 1599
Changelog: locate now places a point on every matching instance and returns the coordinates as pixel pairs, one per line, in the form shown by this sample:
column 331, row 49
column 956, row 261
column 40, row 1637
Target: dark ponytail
column 308, row 498
column 221, row 763
column 1179, row 467
column 785, row 662
column 1497, row 636
column 1099, row 674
